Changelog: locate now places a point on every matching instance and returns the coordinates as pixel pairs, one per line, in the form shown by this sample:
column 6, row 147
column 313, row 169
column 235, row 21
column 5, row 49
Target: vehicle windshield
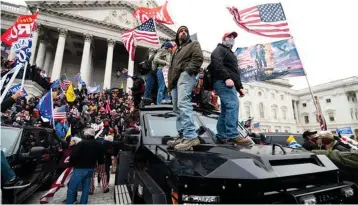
column 9, row 137
column 159, row 126
column 209, row 123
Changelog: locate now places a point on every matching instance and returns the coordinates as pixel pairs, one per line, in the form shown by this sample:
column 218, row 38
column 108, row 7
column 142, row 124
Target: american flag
column 265, row 20
column 59, row 115
column 145, row 32
column 320, row 118
column 64, row 84
column 128, row 41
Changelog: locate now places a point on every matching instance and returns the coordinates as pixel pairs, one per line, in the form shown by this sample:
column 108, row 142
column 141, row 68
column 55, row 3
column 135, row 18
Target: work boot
column 175, row 141
column 187, row 144
column 247, row 141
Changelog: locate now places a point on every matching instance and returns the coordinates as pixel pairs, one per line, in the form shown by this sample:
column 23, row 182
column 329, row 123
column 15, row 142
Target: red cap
column 111, row 130
column 230, row 33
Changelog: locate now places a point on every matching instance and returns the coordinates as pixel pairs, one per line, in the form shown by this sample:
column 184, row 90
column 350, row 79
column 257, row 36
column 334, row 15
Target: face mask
column 229, row 42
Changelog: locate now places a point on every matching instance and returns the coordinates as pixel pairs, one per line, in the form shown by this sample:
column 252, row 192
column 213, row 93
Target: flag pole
column 8, row 86
column 315, row 101
column 53, row 119
column 24, row 75
column 310, row 89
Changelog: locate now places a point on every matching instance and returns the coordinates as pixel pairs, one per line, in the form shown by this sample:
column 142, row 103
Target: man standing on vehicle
column 83, row 159
column 185, row 65
column 162, row 58
column 227, row 82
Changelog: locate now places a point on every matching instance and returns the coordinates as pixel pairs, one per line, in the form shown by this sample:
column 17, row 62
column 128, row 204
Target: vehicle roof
column 170, row 108
column 280, row 134
column 26, row 127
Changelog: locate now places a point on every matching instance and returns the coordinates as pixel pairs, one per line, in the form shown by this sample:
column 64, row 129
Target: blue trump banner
column 345, row 131
column 17, row 87
column 269, row 61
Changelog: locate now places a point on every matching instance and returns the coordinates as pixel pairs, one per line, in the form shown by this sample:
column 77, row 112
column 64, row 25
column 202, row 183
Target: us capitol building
column 84, row 37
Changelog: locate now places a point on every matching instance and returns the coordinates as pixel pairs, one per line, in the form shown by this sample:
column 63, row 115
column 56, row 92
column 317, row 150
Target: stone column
column 296, row 112
column 85, row 59
column 109, row 61
column 41, row 54
column 35, row 37
column 48, row 58
column 57, row 64
column 130, row 73
column 90, row 67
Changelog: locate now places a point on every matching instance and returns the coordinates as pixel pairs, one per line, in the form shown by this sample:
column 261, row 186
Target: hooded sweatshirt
column 187, row 57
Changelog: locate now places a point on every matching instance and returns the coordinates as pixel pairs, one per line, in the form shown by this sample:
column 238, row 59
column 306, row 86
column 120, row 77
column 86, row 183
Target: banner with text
column 160, row 14
column 19, row 36
column 17, row 87
column 345, row 131
column 269, row 61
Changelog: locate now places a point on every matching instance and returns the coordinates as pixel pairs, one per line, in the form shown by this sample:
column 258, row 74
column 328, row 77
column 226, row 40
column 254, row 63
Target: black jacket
column 87, row 154
column 224, row 66
column 7, row 103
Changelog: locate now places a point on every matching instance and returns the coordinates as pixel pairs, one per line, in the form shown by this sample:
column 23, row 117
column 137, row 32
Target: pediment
column 118, row 13
column 121, row 17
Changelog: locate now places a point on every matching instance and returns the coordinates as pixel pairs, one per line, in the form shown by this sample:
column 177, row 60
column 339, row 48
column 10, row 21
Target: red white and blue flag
column 267, row 20
column 146, row 32
column 320, row 117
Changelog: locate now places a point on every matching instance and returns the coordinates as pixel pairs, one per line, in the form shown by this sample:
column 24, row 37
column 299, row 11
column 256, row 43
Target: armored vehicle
column 213, row 173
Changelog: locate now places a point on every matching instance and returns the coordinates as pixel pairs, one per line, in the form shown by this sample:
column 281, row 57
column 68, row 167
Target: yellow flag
column 70, row 94
column 122, row 85
column 68, row 132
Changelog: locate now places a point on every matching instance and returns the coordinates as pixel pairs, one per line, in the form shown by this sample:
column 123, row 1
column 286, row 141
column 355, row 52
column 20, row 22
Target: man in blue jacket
column 61, row 128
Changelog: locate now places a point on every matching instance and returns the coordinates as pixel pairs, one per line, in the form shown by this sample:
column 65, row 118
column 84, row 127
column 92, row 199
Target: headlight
column 200, row 199
column 347, row 192
column 310, row 199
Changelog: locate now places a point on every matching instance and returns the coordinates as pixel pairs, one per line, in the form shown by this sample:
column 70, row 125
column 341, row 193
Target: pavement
column 97, row 198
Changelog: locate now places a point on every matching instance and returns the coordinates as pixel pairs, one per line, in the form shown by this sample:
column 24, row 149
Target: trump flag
column 269, row 61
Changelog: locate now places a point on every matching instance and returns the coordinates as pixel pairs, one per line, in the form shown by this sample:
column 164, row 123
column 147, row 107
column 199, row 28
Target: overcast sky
column 322, row 30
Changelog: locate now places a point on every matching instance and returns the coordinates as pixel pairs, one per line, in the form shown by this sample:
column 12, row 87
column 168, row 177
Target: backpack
column 146, row 66
column 208, row 83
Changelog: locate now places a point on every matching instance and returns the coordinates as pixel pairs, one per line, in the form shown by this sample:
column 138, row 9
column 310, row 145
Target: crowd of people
column 99, row 118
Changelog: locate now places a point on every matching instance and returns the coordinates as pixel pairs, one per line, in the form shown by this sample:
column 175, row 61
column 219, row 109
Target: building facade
column 338, row 102
column 84, row 37
column 270, row 104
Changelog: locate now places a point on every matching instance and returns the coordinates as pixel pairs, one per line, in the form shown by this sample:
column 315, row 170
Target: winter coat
column 61, row 129
column 341, row 159
column 7, row 103
column 224, row 66
column 161, row 58
column 188, row 57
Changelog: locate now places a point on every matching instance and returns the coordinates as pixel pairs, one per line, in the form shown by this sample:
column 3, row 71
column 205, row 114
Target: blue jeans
column 182, row 105
column 229, row 117
column 6, row 172
column 162, row 89
column 79, row 176
column 149, row 81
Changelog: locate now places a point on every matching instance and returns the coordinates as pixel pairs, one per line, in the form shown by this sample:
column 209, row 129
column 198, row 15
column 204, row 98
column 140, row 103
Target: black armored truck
column 213, row 173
